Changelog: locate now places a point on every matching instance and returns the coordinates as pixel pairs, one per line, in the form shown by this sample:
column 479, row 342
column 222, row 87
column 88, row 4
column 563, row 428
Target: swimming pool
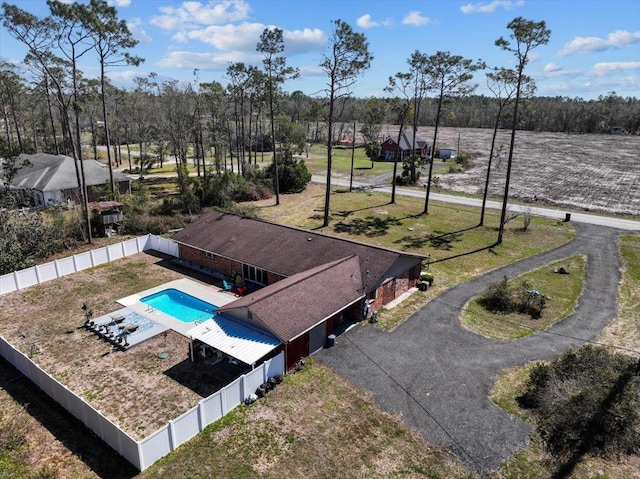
column 180, row 305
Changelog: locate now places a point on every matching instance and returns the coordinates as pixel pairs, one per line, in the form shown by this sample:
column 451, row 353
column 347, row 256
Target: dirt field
column 599, row 173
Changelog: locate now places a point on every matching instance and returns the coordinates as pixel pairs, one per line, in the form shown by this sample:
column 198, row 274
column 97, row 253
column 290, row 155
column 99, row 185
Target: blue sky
column 594, row 47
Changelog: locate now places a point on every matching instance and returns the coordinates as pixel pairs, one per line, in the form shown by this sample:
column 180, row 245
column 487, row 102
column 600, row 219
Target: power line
column 421, row 406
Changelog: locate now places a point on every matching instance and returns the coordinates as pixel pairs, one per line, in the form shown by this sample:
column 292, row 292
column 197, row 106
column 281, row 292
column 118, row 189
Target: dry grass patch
column 624, row 331
column 135, row 389
column 315, row 425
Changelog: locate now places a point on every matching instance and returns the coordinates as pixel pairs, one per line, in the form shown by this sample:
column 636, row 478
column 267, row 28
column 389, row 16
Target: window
column 207, row 254
column 257, row 275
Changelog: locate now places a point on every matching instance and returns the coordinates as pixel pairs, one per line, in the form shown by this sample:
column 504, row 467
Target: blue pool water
column 181, row 306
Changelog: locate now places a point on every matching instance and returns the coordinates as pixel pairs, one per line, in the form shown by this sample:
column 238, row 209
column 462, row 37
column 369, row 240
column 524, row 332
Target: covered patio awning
column 237, row 340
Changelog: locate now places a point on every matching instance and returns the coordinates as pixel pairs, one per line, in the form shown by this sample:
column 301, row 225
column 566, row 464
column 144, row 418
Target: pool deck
column 207, row 293
column 124, row 317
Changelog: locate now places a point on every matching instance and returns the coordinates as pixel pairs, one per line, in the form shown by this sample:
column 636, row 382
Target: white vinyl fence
column 72, row 264
column 144, row 453
column 139, row 453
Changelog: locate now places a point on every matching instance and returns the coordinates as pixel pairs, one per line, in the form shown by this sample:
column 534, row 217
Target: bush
column 521, row 298
column 144, row 223
column 293, row 175
column 586, row 400
column 498, row 297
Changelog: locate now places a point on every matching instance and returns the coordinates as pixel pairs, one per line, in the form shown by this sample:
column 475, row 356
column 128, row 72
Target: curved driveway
column 438, row 375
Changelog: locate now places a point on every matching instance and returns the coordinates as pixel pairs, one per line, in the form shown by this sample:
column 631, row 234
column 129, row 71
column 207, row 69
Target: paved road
column 438, row 375
column 463, row 200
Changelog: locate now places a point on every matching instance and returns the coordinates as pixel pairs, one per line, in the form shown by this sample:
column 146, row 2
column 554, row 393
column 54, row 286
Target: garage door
column 317, row 337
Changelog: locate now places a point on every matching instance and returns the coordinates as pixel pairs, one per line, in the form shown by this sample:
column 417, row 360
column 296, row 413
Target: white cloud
column 201, row 61
column 299, row 41
column 215, row 12
column 415, row 18
column 124, row 76
column 490, row 7
column 245, row 37
column 312, row 71
column 553, row 70
column 603, row 69
column 551, row 67
column 617, row 39
column 119, row 3
column 365, row 22
column 137, row 30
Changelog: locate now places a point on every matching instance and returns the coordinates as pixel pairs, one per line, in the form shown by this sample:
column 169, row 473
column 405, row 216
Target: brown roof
column 286, row 250
column 296, row 304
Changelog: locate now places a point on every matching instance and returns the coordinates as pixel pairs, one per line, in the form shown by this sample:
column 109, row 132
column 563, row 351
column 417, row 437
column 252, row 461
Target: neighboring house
column 302, row 283
column 390, row 149
column 52, row 179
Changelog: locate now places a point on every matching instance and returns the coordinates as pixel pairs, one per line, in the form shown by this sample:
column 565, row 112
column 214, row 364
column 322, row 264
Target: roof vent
column 308, row 239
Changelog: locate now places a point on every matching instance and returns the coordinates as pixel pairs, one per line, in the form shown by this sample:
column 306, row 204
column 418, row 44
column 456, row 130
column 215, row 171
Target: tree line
column 53, row 107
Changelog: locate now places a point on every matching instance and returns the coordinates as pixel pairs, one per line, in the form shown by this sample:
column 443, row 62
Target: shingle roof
column 296, row 304
column 406, row 141
column 286, row 250
column 57, row 172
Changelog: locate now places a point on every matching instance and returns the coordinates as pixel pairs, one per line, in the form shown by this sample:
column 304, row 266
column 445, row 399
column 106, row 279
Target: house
column 390, row 149
column 52, row 179
column 302, row 284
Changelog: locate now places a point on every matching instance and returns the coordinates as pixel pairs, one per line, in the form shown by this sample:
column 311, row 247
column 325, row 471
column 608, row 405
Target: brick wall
column 394, row 288
column 223, row 265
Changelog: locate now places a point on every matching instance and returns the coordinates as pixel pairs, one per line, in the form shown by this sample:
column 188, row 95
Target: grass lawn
column 562, row 292
column 341, row 162
column 449, row 235
column 624, row 331
column 313, row 425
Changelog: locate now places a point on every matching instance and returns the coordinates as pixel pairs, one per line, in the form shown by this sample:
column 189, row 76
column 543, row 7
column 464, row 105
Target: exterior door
column 317, row 337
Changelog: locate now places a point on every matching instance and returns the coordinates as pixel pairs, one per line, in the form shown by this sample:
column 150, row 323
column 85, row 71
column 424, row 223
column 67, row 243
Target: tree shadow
column 596, row 426
column 467, row 253
column 74, row 436
column 345, row 213
column 370, row 226
column 439, row 240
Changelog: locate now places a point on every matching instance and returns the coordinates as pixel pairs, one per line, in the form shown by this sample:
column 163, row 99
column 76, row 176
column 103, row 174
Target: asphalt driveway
column 438, row 375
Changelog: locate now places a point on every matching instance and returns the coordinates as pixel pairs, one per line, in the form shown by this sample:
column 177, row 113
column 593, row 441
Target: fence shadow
column 74, row 436
column 202, row 377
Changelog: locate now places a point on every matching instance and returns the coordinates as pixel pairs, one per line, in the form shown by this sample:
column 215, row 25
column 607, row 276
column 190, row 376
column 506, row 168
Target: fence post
column 37, row 274
column 91, row 256
column 75, row 264
column 172, row 444
column 108, row 254
column 16, row 280
column 55, row 265
column 223, row 401
column 201, row 418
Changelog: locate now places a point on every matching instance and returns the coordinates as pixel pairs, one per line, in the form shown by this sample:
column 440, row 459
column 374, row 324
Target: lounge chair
column 227, row 285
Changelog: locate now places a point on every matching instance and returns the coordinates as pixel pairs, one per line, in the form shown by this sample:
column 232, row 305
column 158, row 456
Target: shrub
column 521, row 298
column 293, row 175
column 587, row 400
column 498, row 297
